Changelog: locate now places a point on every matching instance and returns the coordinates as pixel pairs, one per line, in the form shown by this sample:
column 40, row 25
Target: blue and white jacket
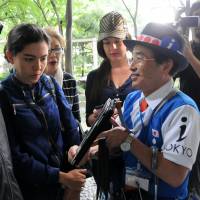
column 173, row 129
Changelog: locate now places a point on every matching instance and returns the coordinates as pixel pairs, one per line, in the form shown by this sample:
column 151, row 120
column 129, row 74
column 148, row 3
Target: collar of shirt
column 157, row 96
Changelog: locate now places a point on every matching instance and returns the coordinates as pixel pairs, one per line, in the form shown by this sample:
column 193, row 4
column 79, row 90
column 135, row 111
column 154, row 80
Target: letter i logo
column 171, row 43
column 182, row 128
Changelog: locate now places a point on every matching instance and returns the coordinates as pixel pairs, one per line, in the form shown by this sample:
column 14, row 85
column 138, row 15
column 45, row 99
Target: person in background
column 110, row 80
column 42, row 126
column 191, row 58
column 189, row 80
column 54, row 68
column 189, row 84
column 161, row 137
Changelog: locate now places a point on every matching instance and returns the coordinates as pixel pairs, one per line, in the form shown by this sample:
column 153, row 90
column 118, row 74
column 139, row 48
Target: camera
column 184, row 23
column 189, row 21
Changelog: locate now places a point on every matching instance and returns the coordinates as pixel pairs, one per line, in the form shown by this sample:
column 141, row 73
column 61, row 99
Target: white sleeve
column 118, row 119
column 181, row 135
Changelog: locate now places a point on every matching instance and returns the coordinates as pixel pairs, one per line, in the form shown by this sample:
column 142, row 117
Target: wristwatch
column 126, row 145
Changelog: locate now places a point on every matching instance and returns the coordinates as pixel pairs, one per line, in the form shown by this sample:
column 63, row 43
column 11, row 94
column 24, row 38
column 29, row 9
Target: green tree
column 85, row 14
column 50, row 13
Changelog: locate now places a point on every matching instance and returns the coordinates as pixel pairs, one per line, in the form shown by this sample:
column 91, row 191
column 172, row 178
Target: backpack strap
column 51, row 89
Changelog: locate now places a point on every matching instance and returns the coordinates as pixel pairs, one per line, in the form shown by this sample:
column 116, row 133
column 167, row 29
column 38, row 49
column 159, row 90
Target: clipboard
column 95, row 130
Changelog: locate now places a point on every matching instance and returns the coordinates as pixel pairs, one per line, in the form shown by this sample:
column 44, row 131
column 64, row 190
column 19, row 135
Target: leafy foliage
column 86, row 15
column 41, row 12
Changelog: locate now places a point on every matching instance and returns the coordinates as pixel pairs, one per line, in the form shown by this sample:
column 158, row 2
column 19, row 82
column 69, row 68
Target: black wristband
column 154, row 159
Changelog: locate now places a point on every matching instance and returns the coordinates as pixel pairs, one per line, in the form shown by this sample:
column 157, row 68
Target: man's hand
column 114, row 137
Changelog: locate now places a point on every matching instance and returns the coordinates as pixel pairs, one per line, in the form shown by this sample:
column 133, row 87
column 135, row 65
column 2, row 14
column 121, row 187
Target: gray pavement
column 89, row 191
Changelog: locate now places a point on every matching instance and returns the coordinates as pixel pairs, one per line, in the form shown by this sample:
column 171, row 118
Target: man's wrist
column 128, row 142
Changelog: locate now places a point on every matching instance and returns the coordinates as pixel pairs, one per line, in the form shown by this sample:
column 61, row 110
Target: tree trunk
column 68, row 52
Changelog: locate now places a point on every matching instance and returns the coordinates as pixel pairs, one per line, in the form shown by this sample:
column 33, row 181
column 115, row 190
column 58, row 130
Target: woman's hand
column 72, row 152
column 187, row 52
column 74, row 179
column 93, row 117
column 191, row 58
column 89, row 154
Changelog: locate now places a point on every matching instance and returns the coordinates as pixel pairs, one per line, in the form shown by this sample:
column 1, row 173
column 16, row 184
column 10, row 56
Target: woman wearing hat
column 161, row 141
column 112, row 78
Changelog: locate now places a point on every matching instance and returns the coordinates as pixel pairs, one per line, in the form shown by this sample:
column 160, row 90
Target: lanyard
column 155, row 110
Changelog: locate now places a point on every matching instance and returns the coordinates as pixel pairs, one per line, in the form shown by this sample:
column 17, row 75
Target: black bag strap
column 8, row 114
column 103, row 179
column 6, row 107
column 166, row 98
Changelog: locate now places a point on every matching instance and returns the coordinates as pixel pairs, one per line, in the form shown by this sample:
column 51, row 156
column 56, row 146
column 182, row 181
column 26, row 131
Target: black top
column 189, row 80
column 109, row 91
